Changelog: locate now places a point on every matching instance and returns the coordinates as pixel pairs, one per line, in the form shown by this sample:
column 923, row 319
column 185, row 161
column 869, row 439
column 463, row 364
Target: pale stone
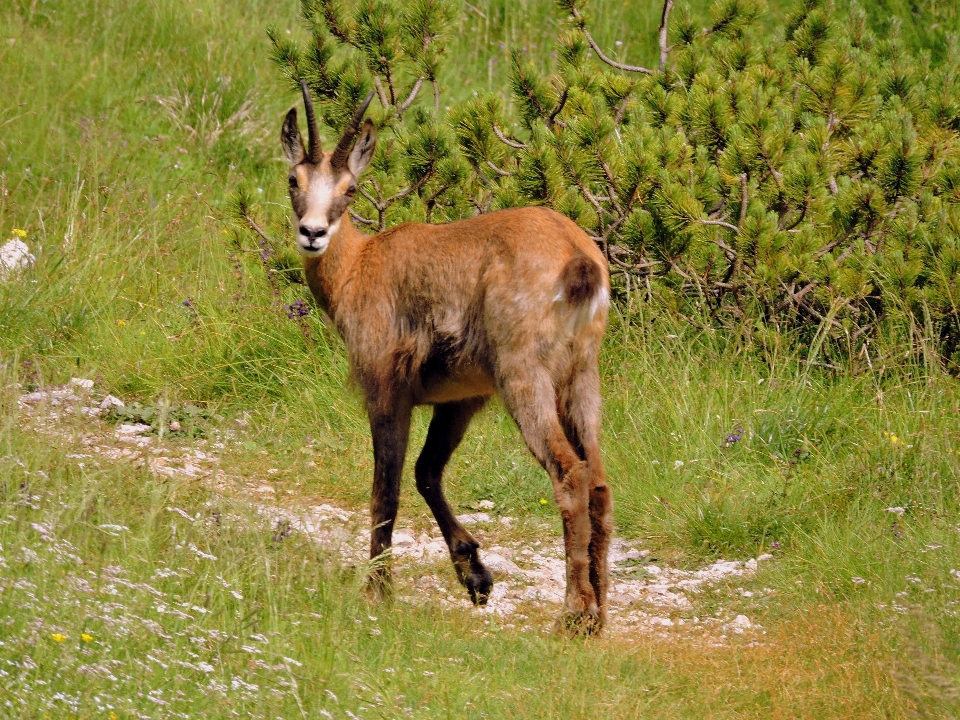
column 15, row 257
column 474, row 518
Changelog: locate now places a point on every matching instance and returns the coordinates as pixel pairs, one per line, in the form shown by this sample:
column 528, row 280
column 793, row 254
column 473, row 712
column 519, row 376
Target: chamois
column 512, row 302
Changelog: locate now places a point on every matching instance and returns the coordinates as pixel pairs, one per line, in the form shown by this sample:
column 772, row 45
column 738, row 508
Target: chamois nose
column 312, row 233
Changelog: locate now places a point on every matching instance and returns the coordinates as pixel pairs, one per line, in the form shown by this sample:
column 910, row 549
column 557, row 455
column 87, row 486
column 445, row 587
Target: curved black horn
column 342, row 151
column 314, row 147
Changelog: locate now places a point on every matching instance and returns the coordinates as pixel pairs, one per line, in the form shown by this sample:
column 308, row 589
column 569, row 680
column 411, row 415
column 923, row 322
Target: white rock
column 35, row 397
column 402, row 539
column 15, row 257
column 486, row 505
column 739, row 624
column 474, row 518
column 82, row 383
column 765, row 556
column 134, row 429
column 435, row 548
column 110, row 402
column 498, row 563
column 751, row 565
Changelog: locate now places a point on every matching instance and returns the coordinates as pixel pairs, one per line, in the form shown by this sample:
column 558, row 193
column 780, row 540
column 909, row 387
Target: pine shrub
column 800, row 183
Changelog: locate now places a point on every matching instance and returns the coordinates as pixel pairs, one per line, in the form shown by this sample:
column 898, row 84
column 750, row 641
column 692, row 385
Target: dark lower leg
column 601, row 524
column 390, row 432
column 449, row 423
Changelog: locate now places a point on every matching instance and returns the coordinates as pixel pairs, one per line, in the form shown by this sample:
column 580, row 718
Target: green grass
column 124, row 130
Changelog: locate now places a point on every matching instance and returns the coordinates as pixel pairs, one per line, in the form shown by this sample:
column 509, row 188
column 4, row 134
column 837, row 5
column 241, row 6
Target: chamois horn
column 342, row 151
column 314, row 138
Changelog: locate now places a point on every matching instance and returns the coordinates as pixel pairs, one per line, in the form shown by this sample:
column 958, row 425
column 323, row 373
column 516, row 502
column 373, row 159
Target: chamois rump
column 512, row 302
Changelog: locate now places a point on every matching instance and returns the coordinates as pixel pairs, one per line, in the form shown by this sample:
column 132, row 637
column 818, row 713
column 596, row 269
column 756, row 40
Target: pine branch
column 336, row 26
column 505, row 140
column 582, row 24
column 381, row 93
column 556, row 111
column 411, row 97
column 664, row 48
column 359, row 218
column 719, row 223
column 498, row 171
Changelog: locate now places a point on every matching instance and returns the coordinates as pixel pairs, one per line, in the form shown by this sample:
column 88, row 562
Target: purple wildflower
column 297, row 310
column 775, row 545
column 734, row 437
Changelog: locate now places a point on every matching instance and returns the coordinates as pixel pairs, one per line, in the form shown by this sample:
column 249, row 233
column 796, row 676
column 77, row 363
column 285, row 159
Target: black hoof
column 470, row 571
column 479, row 583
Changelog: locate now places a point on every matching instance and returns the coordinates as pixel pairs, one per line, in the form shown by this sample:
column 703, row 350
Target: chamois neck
column 328, row 274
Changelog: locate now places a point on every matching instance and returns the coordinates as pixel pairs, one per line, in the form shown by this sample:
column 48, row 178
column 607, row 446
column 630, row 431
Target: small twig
column 413, row 96
column 596, row 48
column 727, row 250
column 481, row 175
column 797, row 296
column 720, row 223
column 380, row 91
column 664, row 48
column 259, row 230
column 618, row 118
column 498, row 171
column 556, row 111
column 361, row 219
column 507, row 141
column 800, row 218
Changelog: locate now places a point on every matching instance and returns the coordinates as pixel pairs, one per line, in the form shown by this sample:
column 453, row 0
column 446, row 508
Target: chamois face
column 321, row 192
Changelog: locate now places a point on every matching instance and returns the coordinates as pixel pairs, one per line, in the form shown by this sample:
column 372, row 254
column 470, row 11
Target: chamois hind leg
column 578, row 404
column 529, row 395
column 449, row 423
column 390, row 427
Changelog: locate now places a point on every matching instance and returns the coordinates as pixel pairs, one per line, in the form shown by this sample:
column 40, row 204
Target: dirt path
column 644, row 596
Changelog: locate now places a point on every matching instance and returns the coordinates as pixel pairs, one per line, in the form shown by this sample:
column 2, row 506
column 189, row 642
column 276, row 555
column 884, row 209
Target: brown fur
column 512, row 302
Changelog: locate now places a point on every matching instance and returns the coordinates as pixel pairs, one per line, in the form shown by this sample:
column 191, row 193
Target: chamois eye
column 293, row 182
column 351, row 191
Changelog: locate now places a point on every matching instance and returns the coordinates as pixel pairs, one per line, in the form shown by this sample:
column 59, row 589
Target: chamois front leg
column 449, row 423
column 390, row 427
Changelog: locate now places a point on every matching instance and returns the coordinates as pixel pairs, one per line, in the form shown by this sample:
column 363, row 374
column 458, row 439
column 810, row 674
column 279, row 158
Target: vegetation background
column 124, row 129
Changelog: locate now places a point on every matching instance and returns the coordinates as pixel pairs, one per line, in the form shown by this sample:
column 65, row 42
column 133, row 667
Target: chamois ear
column 363, row 150
column 290, row 138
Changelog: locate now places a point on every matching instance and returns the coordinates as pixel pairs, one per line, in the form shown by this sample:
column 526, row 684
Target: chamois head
column 322, row 184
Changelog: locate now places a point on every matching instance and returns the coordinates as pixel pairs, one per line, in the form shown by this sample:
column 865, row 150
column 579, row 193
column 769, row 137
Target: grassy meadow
column 124, row 128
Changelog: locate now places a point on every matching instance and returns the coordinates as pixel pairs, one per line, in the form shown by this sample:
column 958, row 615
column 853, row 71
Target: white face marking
column 319, row 195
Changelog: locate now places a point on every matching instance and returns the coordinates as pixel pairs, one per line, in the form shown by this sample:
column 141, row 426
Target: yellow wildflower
column 57, row 637
column 121, row 323
column 543, row 501
column 20, row 233
column 86, row 637
column 113, row 715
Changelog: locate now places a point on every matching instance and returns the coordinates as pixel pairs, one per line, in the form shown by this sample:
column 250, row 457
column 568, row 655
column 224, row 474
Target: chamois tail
column 582, row 290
